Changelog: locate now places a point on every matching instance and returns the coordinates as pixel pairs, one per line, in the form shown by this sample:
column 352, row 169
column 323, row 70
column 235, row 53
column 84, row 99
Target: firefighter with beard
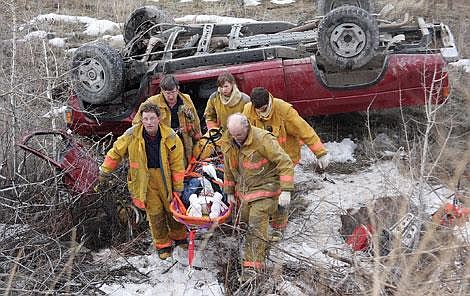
column 178, row 112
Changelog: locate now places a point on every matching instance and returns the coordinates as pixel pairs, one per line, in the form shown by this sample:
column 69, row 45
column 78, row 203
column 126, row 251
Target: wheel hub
column 348, row 40
column 92, row 75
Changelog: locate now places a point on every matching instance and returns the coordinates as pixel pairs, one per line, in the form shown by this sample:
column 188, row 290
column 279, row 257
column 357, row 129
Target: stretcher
column 194, row 224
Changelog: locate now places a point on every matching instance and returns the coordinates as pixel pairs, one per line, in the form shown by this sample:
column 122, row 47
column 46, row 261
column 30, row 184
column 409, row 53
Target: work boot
column 182, row 243
column 164, row 253
column 247, row 274
column 276, row 235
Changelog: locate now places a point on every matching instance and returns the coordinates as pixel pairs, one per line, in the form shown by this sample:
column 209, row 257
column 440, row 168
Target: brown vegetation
column 39, row 253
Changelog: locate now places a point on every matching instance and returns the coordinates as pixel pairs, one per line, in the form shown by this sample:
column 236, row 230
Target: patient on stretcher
column 203, row 196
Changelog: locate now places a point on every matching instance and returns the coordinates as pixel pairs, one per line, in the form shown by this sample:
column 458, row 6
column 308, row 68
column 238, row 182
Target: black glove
column 103, row 181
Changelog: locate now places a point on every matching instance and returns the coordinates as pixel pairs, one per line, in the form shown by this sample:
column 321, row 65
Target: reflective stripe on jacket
column 288, row 127
column 132, row 145
column 216, row 112
column 190, row 126
column 258, row 169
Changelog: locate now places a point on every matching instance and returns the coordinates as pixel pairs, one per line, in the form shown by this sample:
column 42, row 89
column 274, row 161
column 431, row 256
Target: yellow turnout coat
column 290, row 130
column 131, row 145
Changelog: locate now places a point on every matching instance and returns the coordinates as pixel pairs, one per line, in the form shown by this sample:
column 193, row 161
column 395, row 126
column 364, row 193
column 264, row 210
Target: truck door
column 314, row 91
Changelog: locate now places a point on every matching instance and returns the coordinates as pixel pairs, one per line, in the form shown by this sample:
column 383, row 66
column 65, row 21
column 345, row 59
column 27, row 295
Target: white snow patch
column 282, row 2
column 8, row 230
column 203, row 18
column 36, row 35
column 94, row 26
column 287, row 288
column 464, row 63
column 70, row 51
column 186, row 1
column 246, row 2
column 98, row 27
column 252, row 2
column 57, row 42
column 55, row 112
column 42, row 35
column 463, row 233
column 116, row 41
column 184, row 281
column 306, row 237
column 339, row 152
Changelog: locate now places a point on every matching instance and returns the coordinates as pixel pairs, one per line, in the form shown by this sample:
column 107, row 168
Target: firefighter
column 291, row 130
column 156, row 170
column 228, row 99
column 208, row 145
column 178, row 112
column 260, row 174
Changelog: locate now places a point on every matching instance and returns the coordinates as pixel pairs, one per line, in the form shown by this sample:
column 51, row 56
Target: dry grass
column 34, row 78
column 455, row 13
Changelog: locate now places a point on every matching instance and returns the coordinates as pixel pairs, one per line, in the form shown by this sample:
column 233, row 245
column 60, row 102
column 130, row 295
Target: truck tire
column 97, row 73
column 142, row 15
column 325, row 6
column 348, row 37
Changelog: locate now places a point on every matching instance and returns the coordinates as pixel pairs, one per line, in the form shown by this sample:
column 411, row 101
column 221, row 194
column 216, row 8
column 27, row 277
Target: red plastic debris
column 359, row 239
column 452, row 214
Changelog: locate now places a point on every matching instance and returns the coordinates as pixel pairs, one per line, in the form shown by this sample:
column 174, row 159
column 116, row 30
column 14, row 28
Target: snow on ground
column 341, row 152
column 327, row 201
column 317, row 229
column 57, row 42
column 246, row 2
column 56, row 112
column 97, row 27
column 94, row 27
column 252, row 2
column 464, row 63
column 177, row 280
column 116, row 41
column 7, row 230
column 43, row 35
column 282, row 2
column 203, row 18
column 304, row 237
column 36, row 35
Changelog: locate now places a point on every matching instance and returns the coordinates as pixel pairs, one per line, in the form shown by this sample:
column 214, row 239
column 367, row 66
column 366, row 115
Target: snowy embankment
column 103, row 28
column 305, row 238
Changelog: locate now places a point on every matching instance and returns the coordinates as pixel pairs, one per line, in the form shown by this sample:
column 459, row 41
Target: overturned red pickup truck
column 347, row 60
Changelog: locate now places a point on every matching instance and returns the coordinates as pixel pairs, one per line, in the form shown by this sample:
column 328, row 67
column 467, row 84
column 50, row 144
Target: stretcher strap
column 192, row 236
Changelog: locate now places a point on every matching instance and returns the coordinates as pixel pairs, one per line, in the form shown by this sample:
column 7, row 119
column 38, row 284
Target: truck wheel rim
column 92, row 75
column 348, row 40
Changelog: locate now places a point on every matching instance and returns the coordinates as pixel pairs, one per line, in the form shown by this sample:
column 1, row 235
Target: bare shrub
column 39, row 253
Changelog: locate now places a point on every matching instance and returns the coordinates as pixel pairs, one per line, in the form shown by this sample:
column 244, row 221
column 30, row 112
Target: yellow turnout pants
column 163, row 227
column 256, row 214
column 279, row 219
